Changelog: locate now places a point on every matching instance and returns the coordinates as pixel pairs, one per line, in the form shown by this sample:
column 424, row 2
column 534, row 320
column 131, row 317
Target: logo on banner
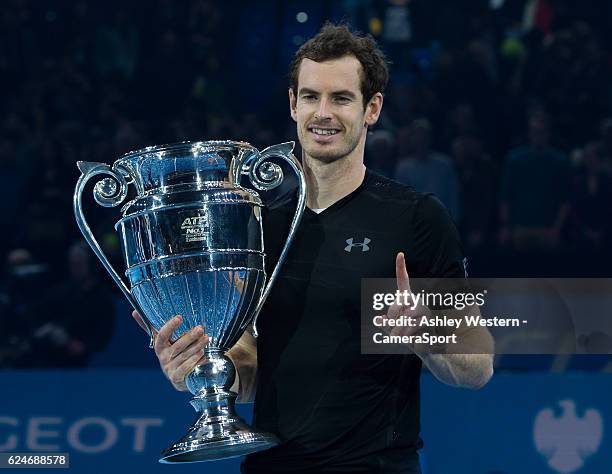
column 568, row 440
column 54, row 433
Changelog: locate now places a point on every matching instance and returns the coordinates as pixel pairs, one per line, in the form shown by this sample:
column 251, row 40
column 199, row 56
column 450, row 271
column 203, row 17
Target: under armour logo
column 364, row 245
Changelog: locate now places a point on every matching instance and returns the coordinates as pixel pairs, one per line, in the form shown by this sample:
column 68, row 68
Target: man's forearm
column 244, row 357
column 469, row 365
column 460, row 370
column 246, row 377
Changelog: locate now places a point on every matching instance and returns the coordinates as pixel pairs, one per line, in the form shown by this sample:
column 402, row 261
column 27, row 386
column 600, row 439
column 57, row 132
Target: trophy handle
column 108, row 192
column 266, row 175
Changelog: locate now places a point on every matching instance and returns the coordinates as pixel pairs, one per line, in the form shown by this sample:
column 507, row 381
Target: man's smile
column 323, row 134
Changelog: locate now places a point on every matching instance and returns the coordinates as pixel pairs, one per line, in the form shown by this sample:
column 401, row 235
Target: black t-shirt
column 334, row 409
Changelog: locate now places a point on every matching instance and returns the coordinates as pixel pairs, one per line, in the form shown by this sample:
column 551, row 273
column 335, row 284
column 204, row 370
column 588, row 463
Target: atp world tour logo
column 194, row 228
column 567, row 441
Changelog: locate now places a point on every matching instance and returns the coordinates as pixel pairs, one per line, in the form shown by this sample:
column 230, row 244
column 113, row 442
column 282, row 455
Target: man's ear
column 373, row 109
column 292, row 105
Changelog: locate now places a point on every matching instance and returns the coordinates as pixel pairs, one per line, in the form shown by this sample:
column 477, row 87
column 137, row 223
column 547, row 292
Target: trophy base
column 217, row 434
column 238, row 444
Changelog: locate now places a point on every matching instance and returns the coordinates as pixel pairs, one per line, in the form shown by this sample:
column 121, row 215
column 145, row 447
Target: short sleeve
column 438, row 251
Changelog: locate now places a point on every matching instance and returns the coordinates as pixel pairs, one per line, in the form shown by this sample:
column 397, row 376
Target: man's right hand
column 177, row 358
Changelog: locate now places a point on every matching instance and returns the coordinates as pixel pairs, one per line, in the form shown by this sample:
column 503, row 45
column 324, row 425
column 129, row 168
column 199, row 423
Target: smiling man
column 332, row 115
column 333, row 408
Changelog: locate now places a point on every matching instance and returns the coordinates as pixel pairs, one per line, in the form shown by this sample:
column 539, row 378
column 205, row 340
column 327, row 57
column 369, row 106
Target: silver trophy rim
column 200, row 146
column 215, row 449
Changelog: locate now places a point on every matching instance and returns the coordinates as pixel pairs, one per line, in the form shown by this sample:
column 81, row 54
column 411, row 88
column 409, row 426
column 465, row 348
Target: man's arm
column 464, row 370
column 460, row 370
column 244, row 357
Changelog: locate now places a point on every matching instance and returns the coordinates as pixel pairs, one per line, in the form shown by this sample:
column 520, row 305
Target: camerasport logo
column 195, row 228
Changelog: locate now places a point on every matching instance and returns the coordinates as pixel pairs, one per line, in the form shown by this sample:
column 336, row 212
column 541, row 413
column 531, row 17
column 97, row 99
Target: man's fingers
column 403, row 283
column 401, row 273
column 395, row 311
column 186, row 341
column 182, row 371
column 141, row 323
column 165, row 333
column 196, row 348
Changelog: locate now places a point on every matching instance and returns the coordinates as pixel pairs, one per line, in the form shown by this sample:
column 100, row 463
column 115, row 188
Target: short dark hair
column 336, row 41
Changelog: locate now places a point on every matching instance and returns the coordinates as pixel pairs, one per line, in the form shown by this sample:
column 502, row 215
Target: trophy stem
column 218, row 431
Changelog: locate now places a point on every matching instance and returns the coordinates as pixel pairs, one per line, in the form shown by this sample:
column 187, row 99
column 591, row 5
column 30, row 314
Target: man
column 334, row 409
column 428, row 170
column 541, row 170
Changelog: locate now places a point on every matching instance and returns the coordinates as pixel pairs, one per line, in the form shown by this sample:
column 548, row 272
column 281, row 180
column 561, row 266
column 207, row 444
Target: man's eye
column 343, row 100
column 308, row 97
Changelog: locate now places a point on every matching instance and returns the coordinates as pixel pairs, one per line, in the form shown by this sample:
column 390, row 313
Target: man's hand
column 397, row 310
column 177, row 358
column 401, row 273
column 463, row 370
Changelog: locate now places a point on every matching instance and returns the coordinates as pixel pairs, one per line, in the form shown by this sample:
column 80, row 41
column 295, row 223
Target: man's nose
column 323, row 112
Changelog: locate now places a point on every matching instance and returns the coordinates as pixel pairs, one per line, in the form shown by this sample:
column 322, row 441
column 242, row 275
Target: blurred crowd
column 501, row 108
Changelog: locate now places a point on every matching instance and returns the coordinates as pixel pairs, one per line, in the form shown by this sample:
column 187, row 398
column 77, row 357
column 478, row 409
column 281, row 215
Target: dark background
column 505, row 107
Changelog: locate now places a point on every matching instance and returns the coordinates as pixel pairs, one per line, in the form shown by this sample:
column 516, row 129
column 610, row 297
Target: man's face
column 329, row 108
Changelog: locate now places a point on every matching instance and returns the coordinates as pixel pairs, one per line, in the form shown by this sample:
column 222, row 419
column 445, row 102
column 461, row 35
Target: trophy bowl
column 192, row 243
